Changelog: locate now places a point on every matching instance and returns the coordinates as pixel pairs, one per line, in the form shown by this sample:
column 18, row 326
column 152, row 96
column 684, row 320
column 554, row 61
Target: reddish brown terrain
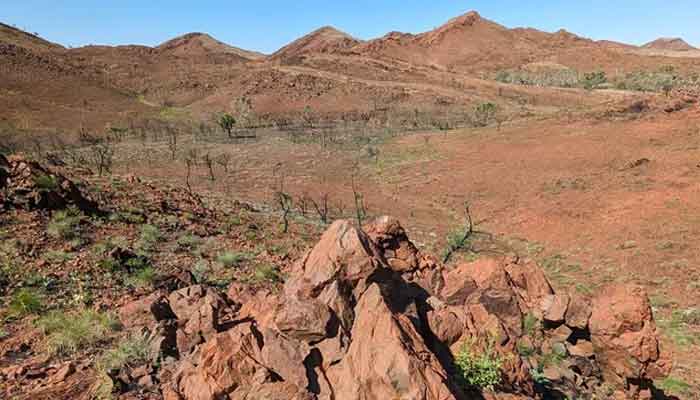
column 150, row 253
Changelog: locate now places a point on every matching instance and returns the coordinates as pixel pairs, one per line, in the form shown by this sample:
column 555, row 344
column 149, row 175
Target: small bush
column 150, row 236
column 57, row 256
column 232, row 259
column 530, row 324
column 65, row 225
column 136, row 349
column 675, row 386
column 482, row 371
column 201, row 271
column 485, row 114
column 188, row 242
column 46, row 182
column 24, row 302
column 142, row 278
column 267, row 273
column 593, row 80
column 68, row 333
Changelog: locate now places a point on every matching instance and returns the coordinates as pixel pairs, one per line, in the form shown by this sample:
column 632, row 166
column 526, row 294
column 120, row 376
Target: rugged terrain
column 547, row 181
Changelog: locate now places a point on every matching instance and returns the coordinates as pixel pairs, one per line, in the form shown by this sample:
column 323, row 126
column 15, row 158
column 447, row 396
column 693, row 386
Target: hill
column 323, row 40
column 674, row 44
column 198, row 44
column 17, row 37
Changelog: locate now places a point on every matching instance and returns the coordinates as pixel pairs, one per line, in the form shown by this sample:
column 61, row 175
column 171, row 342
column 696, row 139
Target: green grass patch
column 188, row 242
column 65, row 224
column 25, row 301
column 266, row 273
column 67, row 333
column 58, row 256
column 674, row 386
column 231, row 258
column 150, row 236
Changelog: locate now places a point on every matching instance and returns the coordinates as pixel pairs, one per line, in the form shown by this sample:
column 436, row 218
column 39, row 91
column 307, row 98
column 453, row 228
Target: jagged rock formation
column 27, row 184
column 365, row 315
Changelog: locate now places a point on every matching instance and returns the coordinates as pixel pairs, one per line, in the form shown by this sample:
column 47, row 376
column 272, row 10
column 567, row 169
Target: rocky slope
column 363, row 314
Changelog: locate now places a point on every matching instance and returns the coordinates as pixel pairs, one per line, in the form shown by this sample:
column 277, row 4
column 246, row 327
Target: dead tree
column 322, row 207
column 360, row 209
column 172, row 141
column 209, row 163
column 224, row 160
column 458, row 239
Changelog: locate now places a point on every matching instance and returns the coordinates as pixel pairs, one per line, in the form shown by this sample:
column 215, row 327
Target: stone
column 387, row 358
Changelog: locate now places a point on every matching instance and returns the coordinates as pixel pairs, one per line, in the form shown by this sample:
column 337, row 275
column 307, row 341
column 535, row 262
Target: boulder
column 624, row 335
column 146, row 312
column 198, row 311
column 391, row 239
column 578, row 313
column 307, row 320
column 554, row 308
column 229, row 360
column 387, row 358
column 31, row 186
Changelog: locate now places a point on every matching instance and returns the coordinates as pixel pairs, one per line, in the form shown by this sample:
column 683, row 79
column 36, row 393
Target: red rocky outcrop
column 364, row 315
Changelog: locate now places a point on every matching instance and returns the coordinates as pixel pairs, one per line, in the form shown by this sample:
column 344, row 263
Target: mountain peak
column 669, row 43
column 198, row 43
column 326, row 39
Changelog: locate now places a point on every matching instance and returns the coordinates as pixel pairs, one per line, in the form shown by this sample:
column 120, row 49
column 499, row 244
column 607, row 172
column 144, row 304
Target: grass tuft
column 67, row 333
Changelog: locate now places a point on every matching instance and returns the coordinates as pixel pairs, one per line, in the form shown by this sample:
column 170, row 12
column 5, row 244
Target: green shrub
column 25, row 301
column 593, row 80
column 136, row 349
column 484, row 114
column 67, row 333
column 46, row 182
column 478, row 370
column 150, row 236
column 142, row 278
column 188, row 242
column 530, row 324
column 675, row 386
column 231, row 259
column 65, row 224
column 266, row 273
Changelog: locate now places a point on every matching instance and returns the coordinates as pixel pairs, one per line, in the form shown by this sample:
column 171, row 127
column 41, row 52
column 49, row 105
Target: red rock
column 306, row 320
column 624, row 335
column 578, row 313
column 554, row 308
column 227, row 361
column 387, row 358
column 145, row 312
column 582, row 348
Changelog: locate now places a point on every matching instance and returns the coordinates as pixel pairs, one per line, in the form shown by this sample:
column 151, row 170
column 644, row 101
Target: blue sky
column 267, row 25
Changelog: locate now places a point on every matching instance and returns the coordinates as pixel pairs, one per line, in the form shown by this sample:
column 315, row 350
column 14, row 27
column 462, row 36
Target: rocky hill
column 674, row 44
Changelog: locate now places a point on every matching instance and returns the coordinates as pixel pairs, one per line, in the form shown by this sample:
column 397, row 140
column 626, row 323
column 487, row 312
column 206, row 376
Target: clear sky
column 267, row 25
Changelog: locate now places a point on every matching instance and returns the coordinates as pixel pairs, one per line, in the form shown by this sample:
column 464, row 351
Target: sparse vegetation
column 67, row 333
column 266, row 273
column 65, row 224
column 25, row 301
column 231, row 259
column 478, row 368
column 675, row 386
column 458, row 239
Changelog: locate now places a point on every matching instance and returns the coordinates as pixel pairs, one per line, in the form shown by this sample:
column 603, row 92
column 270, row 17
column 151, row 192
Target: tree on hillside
column 227, row 122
